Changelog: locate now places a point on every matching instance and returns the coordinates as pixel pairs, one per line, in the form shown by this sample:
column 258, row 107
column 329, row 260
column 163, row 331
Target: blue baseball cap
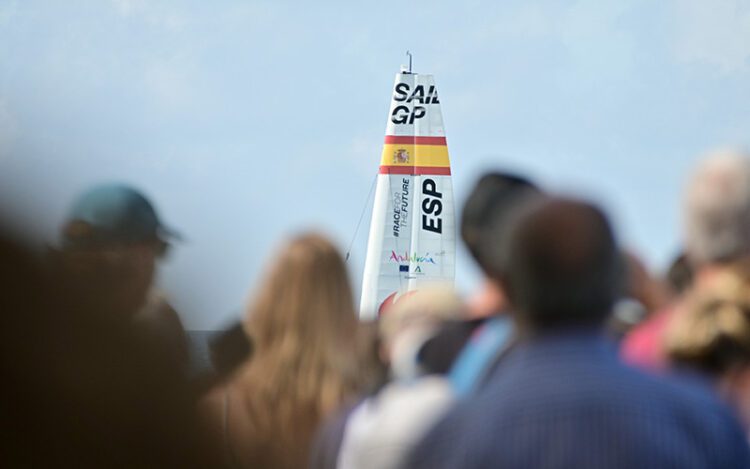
column 114, row 214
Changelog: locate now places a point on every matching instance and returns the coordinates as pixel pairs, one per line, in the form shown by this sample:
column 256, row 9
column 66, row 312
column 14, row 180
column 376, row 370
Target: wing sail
column 413, row 231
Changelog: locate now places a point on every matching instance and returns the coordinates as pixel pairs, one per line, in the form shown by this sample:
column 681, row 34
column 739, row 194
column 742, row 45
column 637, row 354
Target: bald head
column 564, row 267
column 717, row 208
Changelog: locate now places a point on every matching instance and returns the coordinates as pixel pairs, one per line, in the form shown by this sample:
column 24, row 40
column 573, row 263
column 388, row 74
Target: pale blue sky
column 245, row 121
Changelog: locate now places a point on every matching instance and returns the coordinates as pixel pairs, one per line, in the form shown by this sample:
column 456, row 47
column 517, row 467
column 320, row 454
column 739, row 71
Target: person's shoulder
column 328, row 438
column 419, row 400
column 693, row 394
column 671, row 387
column 698, row 411
column 449, row 440
column 403, row 408
column 689, row 403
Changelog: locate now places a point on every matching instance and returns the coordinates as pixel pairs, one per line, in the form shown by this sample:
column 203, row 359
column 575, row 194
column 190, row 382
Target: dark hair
column 680, row 274
column 563, row 265
column 488, row 203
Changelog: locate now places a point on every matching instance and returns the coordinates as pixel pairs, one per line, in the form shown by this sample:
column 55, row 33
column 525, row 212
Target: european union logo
column 403, row 268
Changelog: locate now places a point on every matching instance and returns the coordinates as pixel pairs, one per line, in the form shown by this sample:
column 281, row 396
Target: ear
column 489, row 300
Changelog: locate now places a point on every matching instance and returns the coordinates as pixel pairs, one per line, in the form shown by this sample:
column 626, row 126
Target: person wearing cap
column 474, row 347
column 112, row 241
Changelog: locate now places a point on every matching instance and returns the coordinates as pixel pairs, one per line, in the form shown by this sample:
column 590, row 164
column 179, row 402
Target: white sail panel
column 413, row 232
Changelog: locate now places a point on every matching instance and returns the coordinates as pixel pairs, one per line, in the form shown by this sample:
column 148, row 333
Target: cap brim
column 169, row 234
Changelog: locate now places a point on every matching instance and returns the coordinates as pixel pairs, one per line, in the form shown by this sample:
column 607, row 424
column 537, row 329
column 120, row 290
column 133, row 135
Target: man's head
column 717, row 209
column 113, row 236
column 113, row 215
column 488, row 204
column 563, row 265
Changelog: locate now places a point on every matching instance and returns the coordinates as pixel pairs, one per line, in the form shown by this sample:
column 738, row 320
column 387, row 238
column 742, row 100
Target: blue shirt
column 566, row 401
column 479, row 354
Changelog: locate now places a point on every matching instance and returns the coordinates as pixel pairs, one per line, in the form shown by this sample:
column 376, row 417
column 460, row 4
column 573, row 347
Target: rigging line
column 361, row 216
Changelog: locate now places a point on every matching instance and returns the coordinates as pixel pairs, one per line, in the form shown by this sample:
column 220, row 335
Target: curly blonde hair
column 713, row 333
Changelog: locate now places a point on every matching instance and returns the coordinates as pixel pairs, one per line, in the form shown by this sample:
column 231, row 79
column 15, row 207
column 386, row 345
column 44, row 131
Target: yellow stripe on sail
column 415, row 155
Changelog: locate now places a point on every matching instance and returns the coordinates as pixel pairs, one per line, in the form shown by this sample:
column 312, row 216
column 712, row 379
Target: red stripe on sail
column 412, row 140
column 416, row 170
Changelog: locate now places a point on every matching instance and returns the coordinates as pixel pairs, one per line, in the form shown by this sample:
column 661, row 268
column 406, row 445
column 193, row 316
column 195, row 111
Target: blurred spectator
column 464, row 349
column 642, row 296
column 384, row 428
column 717, row 232
column 560, row 398
column 111, row 243
column 641, row 285
column 493, row 197
column 79, row 389
column 228, row 350
column 303, row 328
column 329, row 436
column 712, row 337
column 679, row 276
column 470, row 348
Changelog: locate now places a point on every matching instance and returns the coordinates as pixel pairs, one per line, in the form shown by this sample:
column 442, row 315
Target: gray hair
column 717, row 208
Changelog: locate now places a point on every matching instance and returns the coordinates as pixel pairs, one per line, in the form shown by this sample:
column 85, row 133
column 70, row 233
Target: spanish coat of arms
column 401, row 156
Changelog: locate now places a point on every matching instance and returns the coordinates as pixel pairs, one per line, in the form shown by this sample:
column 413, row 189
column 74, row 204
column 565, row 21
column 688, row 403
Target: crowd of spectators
column 570, row 353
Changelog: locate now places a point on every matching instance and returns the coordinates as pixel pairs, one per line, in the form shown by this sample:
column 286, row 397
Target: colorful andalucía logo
column 413, row 258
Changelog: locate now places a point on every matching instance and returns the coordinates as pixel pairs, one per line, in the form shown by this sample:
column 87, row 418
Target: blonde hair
column 713, row 333
column 303, row 326
column 428, row 306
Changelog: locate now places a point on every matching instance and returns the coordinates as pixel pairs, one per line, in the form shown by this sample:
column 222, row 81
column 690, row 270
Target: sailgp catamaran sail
column 413, row 232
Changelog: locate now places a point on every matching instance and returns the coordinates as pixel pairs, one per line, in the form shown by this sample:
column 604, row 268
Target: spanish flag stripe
column 415, row 155
column 416, row 170
column 413, row 140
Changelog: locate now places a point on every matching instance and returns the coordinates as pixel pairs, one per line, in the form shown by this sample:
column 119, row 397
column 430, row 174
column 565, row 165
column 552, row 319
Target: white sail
column 413, row 231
